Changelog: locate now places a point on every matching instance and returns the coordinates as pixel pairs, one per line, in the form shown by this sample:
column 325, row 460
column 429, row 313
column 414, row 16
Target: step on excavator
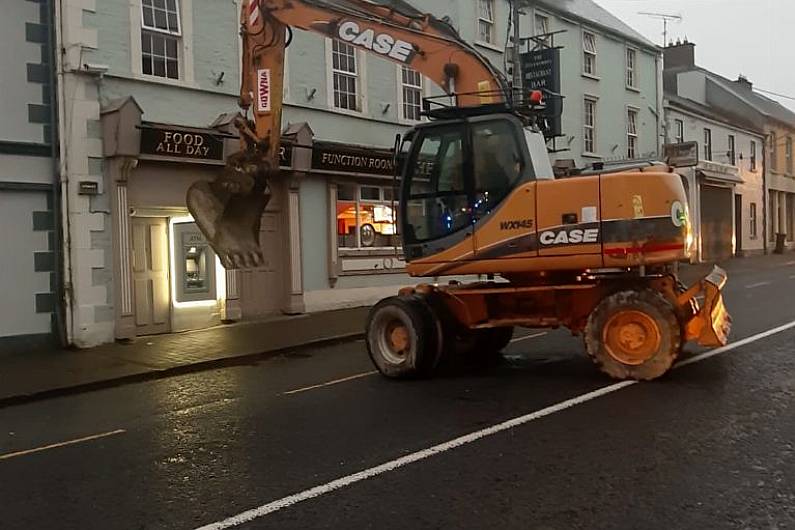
column 596, row 253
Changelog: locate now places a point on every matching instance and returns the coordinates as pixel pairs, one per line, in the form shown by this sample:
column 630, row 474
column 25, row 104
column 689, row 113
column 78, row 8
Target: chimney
column 744, row 82
column 680, row 55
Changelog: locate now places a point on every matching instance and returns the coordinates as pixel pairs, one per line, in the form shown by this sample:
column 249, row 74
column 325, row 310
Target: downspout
column 661, row 129
column 765, row 194
column 63, row 176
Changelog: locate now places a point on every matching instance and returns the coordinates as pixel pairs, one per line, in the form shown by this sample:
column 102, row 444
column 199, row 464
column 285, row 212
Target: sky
column 755, row 38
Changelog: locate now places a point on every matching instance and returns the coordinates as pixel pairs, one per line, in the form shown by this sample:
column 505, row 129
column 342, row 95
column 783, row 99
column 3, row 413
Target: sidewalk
column 26, row 376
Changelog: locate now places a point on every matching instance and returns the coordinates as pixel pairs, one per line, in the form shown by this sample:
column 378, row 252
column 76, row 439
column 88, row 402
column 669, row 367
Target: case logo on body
column 381, row 43
column 565, row 236
column 264, row 90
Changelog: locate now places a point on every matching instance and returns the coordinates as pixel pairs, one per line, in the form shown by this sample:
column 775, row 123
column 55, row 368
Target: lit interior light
column 220, row 272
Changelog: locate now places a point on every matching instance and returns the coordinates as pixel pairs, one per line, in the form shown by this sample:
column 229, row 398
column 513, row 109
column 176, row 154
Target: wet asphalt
column 712, row 445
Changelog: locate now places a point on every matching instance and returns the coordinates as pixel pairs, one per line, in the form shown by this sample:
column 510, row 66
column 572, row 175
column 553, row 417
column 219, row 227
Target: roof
column 721, row 115
column 764, row 105
column 590, row 12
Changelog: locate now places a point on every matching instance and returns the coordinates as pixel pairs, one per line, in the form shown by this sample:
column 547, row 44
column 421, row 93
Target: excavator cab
column 455, row 172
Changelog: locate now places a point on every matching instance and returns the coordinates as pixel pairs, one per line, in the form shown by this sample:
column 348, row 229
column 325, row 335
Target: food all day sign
column 175, row 143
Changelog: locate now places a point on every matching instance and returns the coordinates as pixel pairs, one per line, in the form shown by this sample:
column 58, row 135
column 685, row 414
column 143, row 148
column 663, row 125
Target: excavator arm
column 229, row 209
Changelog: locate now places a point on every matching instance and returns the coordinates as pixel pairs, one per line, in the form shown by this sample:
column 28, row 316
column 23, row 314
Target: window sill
column 370, row 252
column 347, row 112
column 591, row 76
column 633, row 89
column 179, row 83
column 489, row 46
column 586, row 154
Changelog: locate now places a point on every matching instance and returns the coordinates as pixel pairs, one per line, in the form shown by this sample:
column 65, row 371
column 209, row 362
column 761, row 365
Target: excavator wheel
column 634, row 335
column 486, row 342
column 404, row 337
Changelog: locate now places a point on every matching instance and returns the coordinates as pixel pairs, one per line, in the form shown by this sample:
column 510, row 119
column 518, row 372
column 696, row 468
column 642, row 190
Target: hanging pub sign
column 157, row 142
column 339, row 158
column 541, row 71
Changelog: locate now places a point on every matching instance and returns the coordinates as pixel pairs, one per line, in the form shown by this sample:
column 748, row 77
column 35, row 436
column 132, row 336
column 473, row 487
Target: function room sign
column 172, row 143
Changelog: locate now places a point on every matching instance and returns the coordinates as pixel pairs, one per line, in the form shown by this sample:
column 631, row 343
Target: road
column 316, row 440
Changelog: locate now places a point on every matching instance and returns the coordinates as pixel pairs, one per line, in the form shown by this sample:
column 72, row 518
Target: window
column 773, row 151
column 365, row 217
column 160, row 38
column 631, row 68
column 589, row 126
column 632, row 133
column 498, row 164
column 589, row 53
column 753, row 155
column 542, row 27
column 679, row 131
column 752, row 220
column 345, row 71
column 788, row 155
column 411, row 87
column 732, row 153
column 438, row 201
column 486, row 21
column 707, row 144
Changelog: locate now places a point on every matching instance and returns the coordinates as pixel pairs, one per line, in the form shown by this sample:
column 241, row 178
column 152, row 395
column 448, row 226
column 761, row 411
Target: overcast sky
column 755, row 38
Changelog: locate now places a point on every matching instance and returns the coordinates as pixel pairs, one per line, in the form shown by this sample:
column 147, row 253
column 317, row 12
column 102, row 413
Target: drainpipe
column 63, row 175
column 658, row 66
column 765, row 194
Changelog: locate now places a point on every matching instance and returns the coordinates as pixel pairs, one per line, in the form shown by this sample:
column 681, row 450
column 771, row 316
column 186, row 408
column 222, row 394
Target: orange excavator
column 596, row 253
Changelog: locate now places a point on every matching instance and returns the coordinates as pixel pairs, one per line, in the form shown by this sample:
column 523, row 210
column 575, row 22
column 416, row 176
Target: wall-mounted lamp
column 310, row 93
column 385, row 107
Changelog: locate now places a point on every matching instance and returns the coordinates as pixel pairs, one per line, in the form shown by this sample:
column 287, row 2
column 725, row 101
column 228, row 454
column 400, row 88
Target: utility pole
column 517, row 39
column 665, row 18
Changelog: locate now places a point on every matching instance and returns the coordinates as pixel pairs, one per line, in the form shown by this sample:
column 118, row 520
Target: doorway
column 150, row 275
column 738, row 225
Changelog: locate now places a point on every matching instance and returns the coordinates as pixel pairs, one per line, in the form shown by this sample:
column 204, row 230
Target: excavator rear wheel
column 404, row 337
column 634, row 335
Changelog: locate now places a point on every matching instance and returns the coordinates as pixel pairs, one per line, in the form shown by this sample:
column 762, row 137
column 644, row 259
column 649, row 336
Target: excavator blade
column 229, row 212
column 711, row 325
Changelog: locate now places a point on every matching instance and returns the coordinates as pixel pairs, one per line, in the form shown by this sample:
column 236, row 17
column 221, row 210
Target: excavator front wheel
column 404, row 337
column 634, row 335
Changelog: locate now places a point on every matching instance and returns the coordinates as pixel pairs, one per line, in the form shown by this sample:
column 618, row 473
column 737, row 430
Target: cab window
column 498, row 163
column 437, row 201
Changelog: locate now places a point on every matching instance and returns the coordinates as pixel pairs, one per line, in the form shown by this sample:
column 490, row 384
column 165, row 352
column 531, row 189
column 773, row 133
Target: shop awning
column 722, row 173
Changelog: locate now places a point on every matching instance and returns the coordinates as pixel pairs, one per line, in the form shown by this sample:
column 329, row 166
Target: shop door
column 262, row 290
column 738, row 224
column 717, row 226
column 150, row 275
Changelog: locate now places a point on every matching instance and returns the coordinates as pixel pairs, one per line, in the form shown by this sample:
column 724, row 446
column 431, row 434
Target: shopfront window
column 366, row 217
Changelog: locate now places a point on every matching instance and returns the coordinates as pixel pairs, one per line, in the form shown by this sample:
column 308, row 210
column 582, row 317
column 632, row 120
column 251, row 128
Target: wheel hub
column 632, row 337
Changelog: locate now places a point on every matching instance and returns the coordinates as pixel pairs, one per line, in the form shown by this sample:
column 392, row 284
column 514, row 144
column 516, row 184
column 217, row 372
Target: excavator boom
column 229, row 209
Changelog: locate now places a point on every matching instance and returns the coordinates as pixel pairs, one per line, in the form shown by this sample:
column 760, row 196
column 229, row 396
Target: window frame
column 586, row 53
column 679, row 130
column 424, row 89
column 633, row 136
column 361, row 86
column 788, row 155
column 185, row 47
column 707, row 151
column 732, row 151
column 153, row 32
column 492, row 26
column 633, row 70
column 773, row 151
column 358, row 201
column 752, row 162
column 178, row 12
column 592, row 127
column 752, row 217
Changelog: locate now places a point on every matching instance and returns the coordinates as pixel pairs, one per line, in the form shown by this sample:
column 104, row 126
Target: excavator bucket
column 711, row 324
column 229, row 210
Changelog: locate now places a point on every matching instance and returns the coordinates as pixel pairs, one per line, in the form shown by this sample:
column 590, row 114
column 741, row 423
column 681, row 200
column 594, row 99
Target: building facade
column 737, row 98
column 151, row 88
column 29, row 213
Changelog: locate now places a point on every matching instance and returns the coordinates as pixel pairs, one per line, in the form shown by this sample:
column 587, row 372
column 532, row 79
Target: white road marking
column 330, row 383
column 62, row 444
column 755, row 285
column 317, row 491
column 527, row 337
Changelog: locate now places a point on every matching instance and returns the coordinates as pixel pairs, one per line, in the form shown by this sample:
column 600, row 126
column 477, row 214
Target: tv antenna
column 665, row 17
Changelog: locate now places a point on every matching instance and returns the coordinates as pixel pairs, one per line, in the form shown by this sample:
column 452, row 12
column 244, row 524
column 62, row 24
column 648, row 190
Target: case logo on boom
column 382, row 43
column 574, row 236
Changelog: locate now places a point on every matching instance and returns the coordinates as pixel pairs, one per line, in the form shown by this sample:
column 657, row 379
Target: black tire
column 483, row 343
column 634, row 335
column 404, row 337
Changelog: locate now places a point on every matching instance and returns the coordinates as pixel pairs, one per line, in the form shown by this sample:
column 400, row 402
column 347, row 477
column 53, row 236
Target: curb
column 153, row 375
